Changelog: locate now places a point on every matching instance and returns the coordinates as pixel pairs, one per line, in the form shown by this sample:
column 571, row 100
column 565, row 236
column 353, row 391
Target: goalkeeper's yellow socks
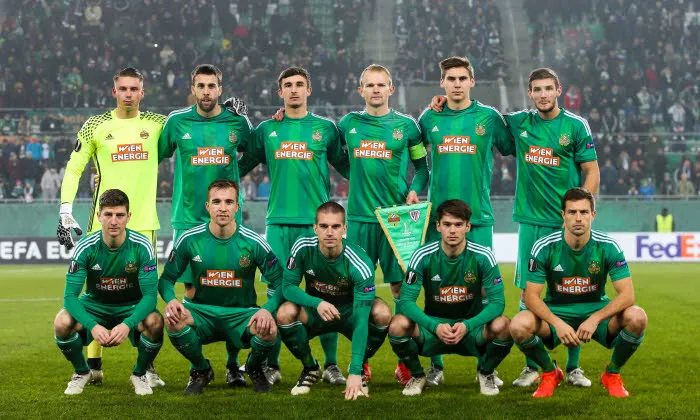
column 94, row 354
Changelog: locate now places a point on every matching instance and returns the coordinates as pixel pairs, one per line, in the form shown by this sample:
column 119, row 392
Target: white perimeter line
column 26, row 270
column 19, row 300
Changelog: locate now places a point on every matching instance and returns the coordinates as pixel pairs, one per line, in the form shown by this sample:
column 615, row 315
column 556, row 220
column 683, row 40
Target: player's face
column 578, row 217
column 294, row 91
column 544, row 94
column 453, row 230
column 457, row 83
column 376, row 88
column 330, row 228
column 114, row 220
column 222, row 205
column 207, row 90
column 128, row 91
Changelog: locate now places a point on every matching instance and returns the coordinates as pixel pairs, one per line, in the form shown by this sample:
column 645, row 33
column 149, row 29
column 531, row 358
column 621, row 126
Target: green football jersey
column 576, row 276
column 124, row 276
column 223, row 270
column 341, row 281
column 379, row 149
column 206, row 151
column 452, row 285
column 297, row 152
column 461, row 150
column 548, row 158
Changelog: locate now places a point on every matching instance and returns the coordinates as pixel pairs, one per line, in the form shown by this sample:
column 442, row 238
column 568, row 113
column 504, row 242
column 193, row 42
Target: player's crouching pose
column 452, row 271
column 339, row 297
column 574, row 264
column 120, row 267
column 223, row 257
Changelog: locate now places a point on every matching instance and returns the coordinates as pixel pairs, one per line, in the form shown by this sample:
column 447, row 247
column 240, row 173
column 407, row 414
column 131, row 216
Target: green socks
column 534, row 349
column 375, row 338
column 72, row 349
column 296, row 339
column 407, row 351
column 573, row 353
column 231, row 356
column 147, row 352
column 187, row 343
column 496, row 351
column 627, row 344
column 329, row 343
column 260, row 350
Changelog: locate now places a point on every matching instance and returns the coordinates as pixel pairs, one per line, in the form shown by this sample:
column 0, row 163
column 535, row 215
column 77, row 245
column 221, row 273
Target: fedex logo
column 672, row 246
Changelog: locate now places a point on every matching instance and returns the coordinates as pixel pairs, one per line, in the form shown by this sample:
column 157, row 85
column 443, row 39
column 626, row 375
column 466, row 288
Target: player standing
column 123, row 144
column 339, row 297
column 207, row 137
column 461, row 139
column 118, row 267
column 223, row 257
column 452, row 271
column 573, row 264
column 380, row 143
column 297, row 150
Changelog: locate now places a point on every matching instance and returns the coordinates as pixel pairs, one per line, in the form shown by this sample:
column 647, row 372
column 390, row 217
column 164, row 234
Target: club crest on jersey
column 144, row 134
column 232, row 137
column 394, row 219
column 244, row 261
column 594, row 267
column 415, row 214
column 398, row 134
column 131, row 267
column 316, row 136
column 343, row 282
column 564, row 140
column 469, row 277
column 480, row 130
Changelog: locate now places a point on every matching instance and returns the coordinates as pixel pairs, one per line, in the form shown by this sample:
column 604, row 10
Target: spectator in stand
column 620, row 188
column 3, row 189
column 342, row 188
column 248, row 188
column 647, row 189
column 667, row 187
column 685, row 168
column 17, row 190
column 685, row 188
column 50, row 184
column 28, row 192
column 264, row 188
column 608, row 177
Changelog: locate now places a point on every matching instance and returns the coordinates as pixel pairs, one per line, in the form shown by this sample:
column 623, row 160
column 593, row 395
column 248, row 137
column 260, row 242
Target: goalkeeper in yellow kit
column 123, row 144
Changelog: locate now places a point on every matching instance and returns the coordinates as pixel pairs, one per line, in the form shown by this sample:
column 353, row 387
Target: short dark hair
column 454, row 207
column 294, row 71
column 542, row 73
column 330, row 207
column 208, row 69
column 222, row 184
column 453, row 62
column 577, row 194
column 128, row 72
column 114, row 198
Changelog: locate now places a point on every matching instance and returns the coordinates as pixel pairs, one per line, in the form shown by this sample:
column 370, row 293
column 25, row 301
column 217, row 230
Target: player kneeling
column 118, row 266
column 574, row 264
column 223, row 257
column 452, row 272
column 339, row 297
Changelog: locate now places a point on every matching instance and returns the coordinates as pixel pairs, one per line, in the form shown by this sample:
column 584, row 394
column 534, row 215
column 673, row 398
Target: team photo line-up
column 335, row 250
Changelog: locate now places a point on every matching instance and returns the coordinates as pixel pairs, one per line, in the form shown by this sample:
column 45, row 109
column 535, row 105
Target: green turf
column 662, row 375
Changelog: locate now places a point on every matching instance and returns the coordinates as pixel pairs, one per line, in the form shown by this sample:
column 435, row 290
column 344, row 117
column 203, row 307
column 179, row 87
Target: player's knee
column 287, row 313
column 400, row 325
column 396, row 290
column 635, row 319
column 189, row 290
column 270, row 336
column 500, row 328
column 63, row 325
column 522, row 326
column 381, row 313
column 153, row 324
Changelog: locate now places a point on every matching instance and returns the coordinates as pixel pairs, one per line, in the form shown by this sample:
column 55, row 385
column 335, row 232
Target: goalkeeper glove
column 66, row 222
column 236, row 105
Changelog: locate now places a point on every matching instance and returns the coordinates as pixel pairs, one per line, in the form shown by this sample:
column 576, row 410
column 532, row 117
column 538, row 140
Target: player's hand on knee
column 174, row 312
column 264, row 323
column 587, row 329
column 444, row 333
column 118, row 334
column 353, row 387
column 437, row 103
column 279, row 115
column 100, row 334
column 567, row 335
column 328, row 311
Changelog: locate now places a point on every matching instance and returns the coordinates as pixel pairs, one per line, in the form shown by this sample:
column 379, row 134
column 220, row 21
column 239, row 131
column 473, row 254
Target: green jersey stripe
column 483, row 251
column 421, row 253
column 256, row 237
column 146, row 244
column 301, row 242
column 358, row 263
column 177, row 112
column 302, row 246
column 536, row 249
column 86, row 243
column 583, row 120
column 190, row 232
column 545, row 238
column 606, row 239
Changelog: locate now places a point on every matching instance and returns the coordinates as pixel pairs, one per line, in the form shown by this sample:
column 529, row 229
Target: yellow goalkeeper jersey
column 125, row 153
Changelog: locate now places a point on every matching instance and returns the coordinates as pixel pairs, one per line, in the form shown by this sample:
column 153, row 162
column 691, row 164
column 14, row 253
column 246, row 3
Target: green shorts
column 109, row 316
column 481, row 235
column 316, row 326
column 218, row 323
column 473, row 343
column 527, row 236
column 282, row 237
column 372, row 239
column 574, row 314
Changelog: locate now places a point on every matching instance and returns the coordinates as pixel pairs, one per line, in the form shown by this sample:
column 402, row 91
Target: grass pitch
column 662, row 376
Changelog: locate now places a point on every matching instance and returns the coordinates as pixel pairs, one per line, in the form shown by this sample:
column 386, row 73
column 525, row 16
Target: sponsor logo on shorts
column 576, row 286
column 371, row 149
column 221, row 278
column 293, row 150
column 114, row 284
column 456, row 144
column 150, row 268
column 453, row 294
column 129, row 152
column 542, row 156
column 210, row 156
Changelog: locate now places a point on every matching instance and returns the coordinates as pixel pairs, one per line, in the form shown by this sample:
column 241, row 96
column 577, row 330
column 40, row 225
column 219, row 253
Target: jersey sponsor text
column 372, row 149
column 293, row 150
column 576, row 286
column 113, row 284
column 210, row 156
column 128, row 152
column 456, row 144
column 221, row 278
column 454, row 294
column 542, row 156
